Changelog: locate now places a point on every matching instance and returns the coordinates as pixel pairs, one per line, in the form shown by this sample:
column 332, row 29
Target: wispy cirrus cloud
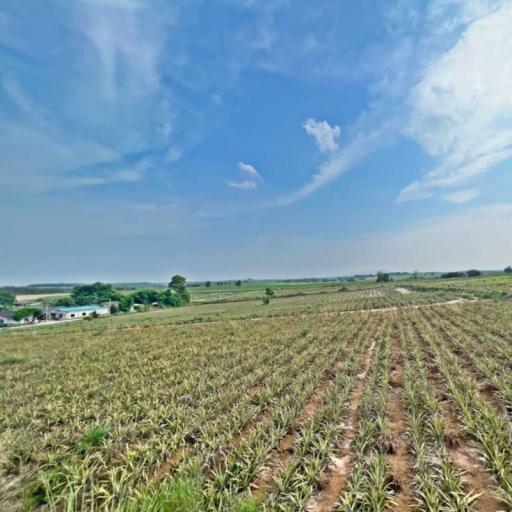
column 115, row 103
column 127, row 52
column 461, row 196
column 341, row 161
column 132, row 174
column 245, row 184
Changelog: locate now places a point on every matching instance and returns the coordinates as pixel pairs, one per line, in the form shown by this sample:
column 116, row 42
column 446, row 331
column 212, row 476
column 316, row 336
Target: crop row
column 488, row 427
column 438, row 484
column 111, row 415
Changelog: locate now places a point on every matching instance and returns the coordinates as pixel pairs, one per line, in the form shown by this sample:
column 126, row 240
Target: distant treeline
column 31, row 290
column 45, row 288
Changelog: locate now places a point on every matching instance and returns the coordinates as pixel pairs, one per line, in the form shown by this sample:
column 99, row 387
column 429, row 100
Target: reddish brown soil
column 399, row 458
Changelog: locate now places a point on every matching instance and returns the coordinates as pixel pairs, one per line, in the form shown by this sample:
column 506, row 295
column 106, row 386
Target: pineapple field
column 359, row 400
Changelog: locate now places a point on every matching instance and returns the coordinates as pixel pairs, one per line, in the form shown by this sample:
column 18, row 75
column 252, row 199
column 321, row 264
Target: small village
column 86, row 302
column 33, row 315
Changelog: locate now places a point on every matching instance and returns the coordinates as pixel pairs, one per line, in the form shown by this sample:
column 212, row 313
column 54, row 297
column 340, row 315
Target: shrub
column 27, row 313
column 451, row 275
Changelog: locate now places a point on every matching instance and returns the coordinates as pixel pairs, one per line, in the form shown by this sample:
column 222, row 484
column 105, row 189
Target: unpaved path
column 403, row 291
column 386, row 309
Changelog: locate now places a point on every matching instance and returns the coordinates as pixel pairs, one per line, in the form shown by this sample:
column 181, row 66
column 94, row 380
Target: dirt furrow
column 174, row 458
column 284, row 450
column 399, row 457
column 337, row 475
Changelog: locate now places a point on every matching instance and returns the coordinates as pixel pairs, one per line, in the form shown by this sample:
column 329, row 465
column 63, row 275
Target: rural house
column 71, row 312
column 7, row 318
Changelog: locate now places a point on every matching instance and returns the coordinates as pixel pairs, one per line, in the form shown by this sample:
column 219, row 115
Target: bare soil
column 337, row 475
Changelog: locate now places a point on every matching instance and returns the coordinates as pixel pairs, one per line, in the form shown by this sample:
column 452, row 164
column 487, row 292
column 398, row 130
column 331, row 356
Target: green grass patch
column 93, row 437
column 180, row 495
column 12, row 360
column 248, row 505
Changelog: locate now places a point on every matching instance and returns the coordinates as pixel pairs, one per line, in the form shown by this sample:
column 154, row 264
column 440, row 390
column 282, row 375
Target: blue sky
column 253, row 138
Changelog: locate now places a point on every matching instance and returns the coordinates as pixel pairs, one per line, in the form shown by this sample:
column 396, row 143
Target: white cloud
column 461, row 196
column 324, row 134
column 462, row 107
column 245, row 184
column 248, row 168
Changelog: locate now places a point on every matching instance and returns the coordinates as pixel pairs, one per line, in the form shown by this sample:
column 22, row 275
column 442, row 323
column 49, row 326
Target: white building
column 73, row 312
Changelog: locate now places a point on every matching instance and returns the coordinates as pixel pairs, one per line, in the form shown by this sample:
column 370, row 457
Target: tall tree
column 6, row 298
column 91, row 293
column 178, row 284
column 383, row 277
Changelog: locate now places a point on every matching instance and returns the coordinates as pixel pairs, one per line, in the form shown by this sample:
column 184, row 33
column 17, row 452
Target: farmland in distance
column 329, row 398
